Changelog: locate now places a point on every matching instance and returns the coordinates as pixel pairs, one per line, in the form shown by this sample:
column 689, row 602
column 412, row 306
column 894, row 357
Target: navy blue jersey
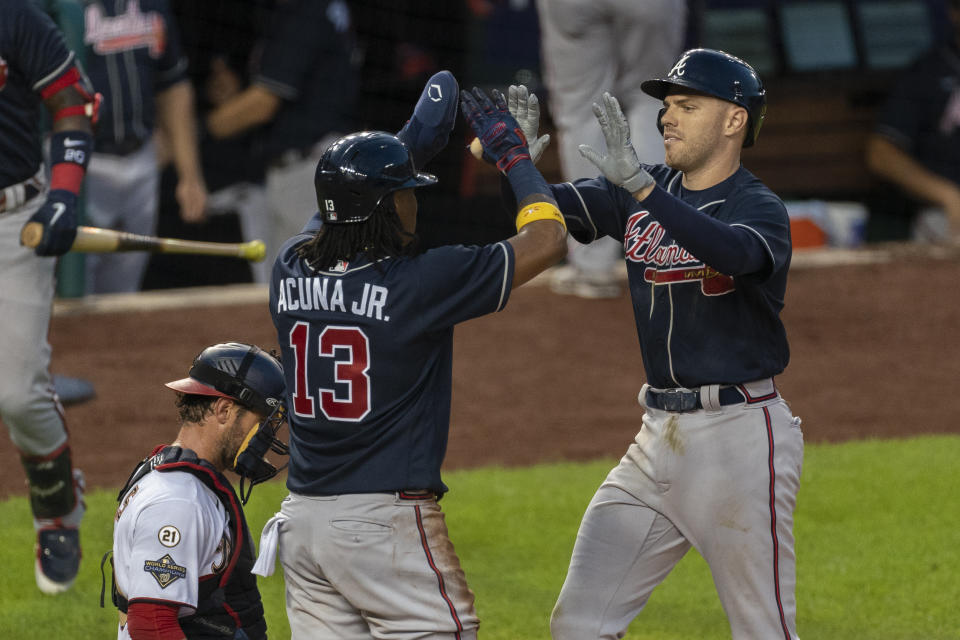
column 33, row 55
column 133, row 53
column 922, row 113
column 367, row 353
column 696, row 326
column 306, row 61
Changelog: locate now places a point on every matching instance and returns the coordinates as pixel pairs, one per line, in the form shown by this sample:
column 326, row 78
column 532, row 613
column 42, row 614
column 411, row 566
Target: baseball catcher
column 182, row 552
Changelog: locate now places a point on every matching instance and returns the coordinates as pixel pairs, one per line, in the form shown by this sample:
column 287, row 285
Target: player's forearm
column 541, row 239
column 177, row 120
column 892, row 163
column 65, row 99
column 536, row 247
column 251, row 108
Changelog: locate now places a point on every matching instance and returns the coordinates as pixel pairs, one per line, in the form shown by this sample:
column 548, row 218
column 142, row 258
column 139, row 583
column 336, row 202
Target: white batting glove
column 525, row 107
column 621, row 165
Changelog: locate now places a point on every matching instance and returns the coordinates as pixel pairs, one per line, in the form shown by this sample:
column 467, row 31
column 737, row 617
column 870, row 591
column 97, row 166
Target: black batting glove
column 498, row 131
column 58, row 215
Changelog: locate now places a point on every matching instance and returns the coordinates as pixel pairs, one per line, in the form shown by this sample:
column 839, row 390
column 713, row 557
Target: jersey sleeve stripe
column 506, row 272
column 673, row 181
column 895, row 136
column 766, row 245
column 277, row 88
column 173, row 75
column 704, row 206
column 583, row 207
column 47, row 79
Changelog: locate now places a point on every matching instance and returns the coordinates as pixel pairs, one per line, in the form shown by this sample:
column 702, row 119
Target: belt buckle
column 677, row 400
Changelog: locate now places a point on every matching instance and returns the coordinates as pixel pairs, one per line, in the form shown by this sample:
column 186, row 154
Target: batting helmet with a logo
column 357, row 171
column 720, row 75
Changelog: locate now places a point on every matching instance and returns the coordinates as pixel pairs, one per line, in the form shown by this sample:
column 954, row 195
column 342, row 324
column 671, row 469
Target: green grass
column 878, row 551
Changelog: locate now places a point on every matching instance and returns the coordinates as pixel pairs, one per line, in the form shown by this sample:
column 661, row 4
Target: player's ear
column 735, row 122
column 223, row 408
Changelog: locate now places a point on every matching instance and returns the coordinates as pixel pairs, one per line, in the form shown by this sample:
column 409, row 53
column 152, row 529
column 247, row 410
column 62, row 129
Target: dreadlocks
column 380, row 236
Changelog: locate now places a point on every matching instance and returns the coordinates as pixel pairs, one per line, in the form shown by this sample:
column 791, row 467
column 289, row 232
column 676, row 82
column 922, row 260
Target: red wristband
column 68, row 176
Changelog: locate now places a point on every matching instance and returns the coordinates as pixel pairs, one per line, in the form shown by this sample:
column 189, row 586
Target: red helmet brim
column 189, row 385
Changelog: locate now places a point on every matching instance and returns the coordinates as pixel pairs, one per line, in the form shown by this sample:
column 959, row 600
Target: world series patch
column 165, row 570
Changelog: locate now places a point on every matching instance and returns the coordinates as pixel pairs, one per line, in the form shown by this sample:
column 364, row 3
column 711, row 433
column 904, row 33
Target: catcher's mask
column 254, row 379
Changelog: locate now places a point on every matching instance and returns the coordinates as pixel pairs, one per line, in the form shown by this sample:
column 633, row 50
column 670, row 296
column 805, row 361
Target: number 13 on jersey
column 349, row 400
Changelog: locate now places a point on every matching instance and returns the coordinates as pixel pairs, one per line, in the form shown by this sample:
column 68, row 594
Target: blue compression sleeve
column 734, row 251
column 526, row 180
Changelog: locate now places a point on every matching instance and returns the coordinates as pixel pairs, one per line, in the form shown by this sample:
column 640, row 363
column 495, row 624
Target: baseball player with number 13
column 365, row 324
column 716, row 464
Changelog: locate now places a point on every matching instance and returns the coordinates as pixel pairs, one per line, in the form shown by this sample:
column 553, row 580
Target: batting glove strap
column 638, row 181
column 500, row 134
column 58, row 215
column 512, row 156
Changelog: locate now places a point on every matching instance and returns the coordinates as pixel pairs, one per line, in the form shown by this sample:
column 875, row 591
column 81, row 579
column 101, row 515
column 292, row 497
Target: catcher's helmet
column 253, row 378
column 243, row 372
column 357, row 171
column 720, row 75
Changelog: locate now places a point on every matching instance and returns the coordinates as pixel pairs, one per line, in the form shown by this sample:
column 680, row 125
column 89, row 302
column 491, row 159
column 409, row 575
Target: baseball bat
column 97, row 240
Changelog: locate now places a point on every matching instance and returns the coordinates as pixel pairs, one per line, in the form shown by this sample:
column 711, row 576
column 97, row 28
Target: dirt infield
column 874, row 354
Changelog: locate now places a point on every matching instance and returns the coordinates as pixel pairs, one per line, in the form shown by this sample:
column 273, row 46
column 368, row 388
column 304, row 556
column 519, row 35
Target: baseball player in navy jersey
column 182, row 551
column 134, row 59
column 36, row 67
column 302, row 95
column 365, row 324
column 716, row 463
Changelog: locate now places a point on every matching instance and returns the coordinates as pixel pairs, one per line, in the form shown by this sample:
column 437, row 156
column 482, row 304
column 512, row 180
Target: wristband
column 539, row 211
column 69, row 156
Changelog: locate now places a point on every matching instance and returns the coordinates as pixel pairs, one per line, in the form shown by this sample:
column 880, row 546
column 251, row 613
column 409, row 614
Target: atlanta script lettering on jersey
column 669, row 264
column 126, row 31
column 324, row 293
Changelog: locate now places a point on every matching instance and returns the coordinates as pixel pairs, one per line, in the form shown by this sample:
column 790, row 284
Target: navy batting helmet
column 720, row 75
column 358, row 171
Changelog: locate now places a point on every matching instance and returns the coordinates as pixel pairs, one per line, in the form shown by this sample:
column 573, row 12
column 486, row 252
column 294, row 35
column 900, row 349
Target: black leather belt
column 123, row 148
column 681, row 400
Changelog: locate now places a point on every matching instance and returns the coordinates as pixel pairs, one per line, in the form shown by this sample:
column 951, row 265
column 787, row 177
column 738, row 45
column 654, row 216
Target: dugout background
column 827, row 65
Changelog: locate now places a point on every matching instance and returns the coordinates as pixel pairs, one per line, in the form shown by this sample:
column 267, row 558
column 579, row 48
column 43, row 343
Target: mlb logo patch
column 4, row 68
column 330, row 210
column 341, row 266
